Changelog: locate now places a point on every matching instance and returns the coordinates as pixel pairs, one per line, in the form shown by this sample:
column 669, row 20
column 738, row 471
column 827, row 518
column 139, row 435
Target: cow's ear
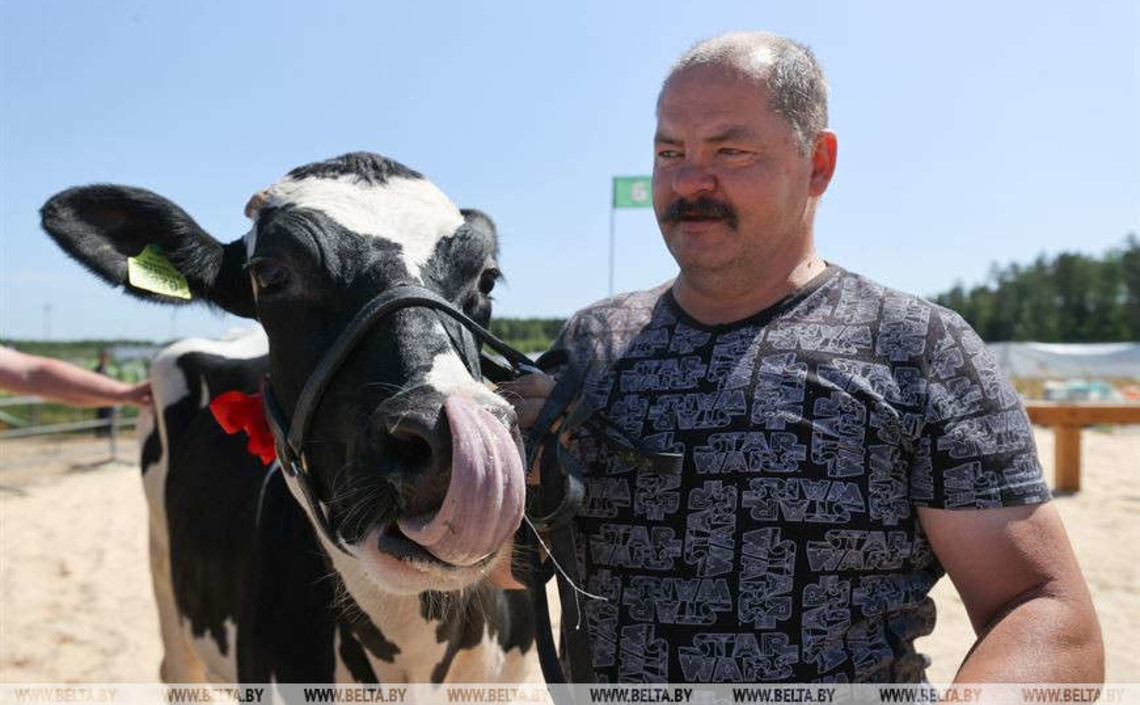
column 481, row 223
column 103, row 227
column 480, row 220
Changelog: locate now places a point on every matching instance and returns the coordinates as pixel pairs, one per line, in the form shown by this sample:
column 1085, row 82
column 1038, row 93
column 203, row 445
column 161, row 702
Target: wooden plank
column 1067, row 458
column 1083, row 414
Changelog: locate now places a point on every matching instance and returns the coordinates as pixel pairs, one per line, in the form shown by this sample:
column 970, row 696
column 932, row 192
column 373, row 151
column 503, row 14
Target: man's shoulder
column 856, row 298
column 600, row 332
column 618, row 314
column 854, row 316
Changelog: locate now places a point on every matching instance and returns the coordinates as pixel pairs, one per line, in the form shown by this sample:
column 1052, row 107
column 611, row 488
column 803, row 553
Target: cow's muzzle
column 490, row 458
column 486, row 489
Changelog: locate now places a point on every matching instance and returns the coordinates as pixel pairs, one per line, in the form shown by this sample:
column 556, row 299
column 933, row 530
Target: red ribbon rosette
column 235, row 411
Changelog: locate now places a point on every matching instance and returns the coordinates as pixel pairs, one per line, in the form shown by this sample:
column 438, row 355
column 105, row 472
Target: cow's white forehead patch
column 411, row 212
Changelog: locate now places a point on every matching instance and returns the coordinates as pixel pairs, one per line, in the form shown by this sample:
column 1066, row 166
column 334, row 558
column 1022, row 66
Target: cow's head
column 415, row 461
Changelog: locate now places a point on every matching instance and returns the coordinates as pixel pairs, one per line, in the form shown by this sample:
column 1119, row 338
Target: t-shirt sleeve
column 572, row 345
column 566, row 338
column 583, row 340
column 976, row 447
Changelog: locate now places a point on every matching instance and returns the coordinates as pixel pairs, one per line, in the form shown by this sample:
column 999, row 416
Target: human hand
column 137, row 395
column 527, row 395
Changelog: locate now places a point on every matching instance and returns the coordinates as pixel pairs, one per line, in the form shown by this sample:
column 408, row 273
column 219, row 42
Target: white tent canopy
column 1067, row 360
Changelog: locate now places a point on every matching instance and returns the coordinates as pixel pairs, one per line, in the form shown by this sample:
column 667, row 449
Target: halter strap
column 561, row 487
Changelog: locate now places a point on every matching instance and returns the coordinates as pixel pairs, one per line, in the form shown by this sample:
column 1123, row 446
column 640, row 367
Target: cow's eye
column 487, row 281
column 269, row 275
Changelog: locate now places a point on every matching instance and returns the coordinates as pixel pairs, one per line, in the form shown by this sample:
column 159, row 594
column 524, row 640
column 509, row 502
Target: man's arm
column 60, row 381
column 1024, row 592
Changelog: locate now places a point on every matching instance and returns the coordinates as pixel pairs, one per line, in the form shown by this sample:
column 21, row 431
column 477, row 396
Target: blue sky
column 969, row 132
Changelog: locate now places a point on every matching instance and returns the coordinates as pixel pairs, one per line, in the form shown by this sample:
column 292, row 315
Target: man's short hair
column 797, row 88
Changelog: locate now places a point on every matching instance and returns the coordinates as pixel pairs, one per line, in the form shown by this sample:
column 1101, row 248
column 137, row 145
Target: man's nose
column 692, row 179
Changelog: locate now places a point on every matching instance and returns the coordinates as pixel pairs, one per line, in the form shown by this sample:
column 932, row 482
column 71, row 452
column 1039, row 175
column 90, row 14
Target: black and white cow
column 247, row 590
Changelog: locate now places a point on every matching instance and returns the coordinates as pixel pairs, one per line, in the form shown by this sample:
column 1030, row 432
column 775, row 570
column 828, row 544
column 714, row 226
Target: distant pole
column 612, row 212
column 114, row 432
column 628, row 192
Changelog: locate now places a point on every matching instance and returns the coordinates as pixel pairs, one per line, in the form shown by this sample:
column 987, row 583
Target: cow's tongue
column 485, row 498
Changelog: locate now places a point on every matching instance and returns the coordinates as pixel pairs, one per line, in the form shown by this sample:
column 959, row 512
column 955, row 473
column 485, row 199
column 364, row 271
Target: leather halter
column 289, row 435
column 558, row 497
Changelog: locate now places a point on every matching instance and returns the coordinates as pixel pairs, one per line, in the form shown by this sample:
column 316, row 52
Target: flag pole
column 612, row 212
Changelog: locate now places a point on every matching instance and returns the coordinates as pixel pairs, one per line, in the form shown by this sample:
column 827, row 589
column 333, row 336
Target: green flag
column 632, row 192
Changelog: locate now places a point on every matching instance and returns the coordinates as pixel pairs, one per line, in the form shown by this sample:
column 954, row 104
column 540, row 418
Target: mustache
column 703, row 207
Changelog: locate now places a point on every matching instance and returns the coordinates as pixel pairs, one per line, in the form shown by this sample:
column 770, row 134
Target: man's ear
column 822, row 162
column 103, row 226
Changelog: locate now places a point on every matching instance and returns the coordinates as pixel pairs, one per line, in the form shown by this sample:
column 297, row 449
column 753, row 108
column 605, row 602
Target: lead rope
column 261, row 493
column 562, row 572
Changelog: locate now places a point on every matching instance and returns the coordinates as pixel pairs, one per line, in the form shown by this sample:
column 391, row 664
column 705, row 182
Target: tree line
column 1069, row 298
column 529, row 335
column 73, row 349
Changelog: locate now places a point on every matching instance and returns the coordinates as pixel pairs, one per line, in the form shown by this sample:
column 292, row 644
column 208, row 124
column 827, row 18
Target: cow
column 415, row 482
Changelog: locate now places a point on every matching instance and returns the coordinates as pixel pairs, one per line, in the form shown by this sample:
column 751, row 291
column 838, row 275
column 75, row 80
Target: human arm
column 64, row 382
column 1023, row 590
column 984, row 506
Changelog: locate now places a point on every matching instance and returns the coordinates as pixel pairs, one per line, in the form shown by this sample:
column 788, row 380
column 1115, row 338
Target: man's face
column 729, row 183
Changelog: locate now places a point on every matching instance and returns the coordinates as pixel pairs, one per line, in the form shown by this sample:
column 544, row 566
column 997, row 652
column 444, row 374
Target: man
column 844, row 444
column 104, row 413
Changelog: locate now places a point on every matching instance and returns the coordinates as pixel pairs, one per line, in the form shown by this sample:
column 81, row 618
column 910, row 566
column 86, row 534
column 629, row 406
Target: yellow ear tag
column 151, row 271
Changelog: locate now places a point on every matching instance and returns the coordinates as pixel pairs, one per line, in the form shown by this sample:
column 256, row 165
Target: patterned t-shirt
column 788, row 549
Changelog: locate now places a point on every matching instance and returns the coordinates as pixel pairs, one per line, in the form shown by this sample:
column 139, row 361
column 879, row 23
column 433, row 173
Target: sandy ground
column 76, row 603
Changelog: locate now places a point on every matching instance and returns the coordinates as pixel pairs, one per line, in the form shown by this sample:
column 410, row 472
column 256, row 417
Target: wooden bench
column 1066, row 420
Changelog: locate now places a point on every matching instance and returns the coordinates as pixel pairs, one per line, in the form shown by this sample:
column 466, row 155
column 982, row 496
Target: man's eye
column 732, row 152
column 268, row 275
column 668, row 154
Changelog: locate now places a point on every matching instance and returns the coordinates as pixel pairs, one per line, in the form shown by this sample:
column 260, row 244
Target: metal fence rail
column 114, row 425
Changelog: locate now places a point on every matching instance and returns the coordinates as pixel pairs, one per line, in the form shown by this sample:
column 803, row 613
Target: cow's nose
column 410, row 442
column 410, row 449
column 484, row 499
column 415, row 448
